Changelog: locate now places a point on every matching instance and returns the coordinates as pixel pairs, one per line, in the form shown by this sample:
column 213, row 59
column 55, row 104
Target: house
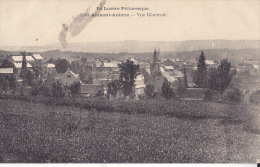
column 211, row 63
column 139, row 86
column 146, row 74
column 108, row 67
column 160, row 73
column 133, row 60
column 144, row 65
column 253, row 69
column 242, row 69
column 50, row 68
column 115, row 63
column 6, row 71
column 251, row 62
column 190, row 69
column 168, row 62
column 67, row 78
column 178, row 63
column 175, row 78
column 168, row 68
column 37, row 57
column 98, row 63
column 19, row 59
column 18, row 66
column 100, row 77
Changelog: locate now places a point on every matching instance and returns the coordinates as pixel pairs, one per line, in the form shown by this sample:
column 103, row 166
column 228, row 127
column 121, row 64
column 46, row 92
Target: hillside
column 133, row 46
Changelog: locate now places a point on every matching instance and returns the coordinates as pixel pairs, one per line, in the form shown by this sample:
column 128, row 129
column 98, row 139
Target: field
column 159, row 131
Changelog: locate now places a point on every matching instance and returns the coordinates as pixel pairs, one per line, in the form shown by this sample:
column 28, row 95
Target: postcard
column 123, row 81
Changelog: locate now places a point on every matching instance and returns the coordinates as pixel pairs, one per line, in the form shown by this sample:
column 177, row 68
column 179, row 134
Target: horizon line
column 133, row 40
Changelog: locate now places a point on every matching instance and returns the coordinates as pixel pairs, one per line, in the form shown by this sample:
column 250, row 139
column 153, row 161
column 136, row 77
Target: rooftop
column 50, row 65
column 109, row 65
column 210, row 62
column 37, row 56
column 167, row 75
column 19, row 65
column 6, row 70
column 20, row 58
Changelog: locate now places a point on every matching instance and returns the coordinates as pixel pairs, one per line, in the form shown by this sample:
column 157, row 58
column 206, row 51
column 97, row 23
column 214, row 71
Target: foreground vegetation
column 109, row 131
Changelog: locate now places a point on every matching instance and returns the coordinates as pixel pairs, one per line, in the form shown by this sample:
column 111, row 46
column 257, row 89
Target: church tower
column 155, row 73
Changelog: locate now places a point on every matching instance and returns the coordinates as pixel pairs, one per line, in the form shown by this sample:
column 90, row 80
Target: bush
column 75, row 90
column 167, row 91
column 149, row 91
column 40, row 88
column 57, row 90
column 142, row 97
column 208, row 94
column 234, row 95
column 35, row 90
column 255, row 97
column 46, row 91
column 99, row 93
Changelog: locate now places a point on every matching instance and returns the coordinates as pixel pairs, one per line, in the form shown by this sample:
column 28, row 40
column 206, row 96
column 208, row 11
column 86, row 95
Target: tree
column 37, row 68
column 185, row 78
column 113, row 87
column 4, row 83
column 7, row 64
column 128, row 73
column 7, row 81
column 51, row 61
column 167, row 91
column 75, row 90
column 62, row 66
column 220, row 77
column 24, row 66
column 29, row 77
column 57, row 90
column 200, row 77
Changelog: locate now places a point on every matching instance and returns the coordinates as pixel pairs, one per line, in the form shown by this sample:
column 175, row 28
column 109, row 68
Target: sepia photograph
column 127, row 81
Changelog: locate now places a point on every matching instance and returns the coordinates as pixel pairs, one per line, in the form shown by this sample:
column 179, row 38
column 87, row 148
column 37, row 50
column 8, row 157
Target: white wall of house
column 67, row 78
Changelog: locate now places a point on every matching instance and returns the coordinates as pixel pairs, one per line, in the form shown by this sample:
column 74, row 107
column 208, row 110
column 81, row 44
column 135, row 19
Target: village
column 94, row 75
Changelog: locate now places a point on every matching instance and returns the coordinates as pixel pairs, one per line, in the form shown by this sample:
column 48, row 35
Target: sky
column 37, row 23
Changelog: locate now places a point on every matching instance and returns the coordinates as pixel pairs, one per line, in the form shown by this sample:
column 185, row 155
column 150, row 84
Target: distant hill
column 142, row 46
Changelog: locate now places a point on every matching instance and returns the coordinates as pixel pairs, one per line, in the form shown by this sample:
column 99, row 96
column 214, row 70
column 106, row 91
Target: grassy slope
column 31, row 132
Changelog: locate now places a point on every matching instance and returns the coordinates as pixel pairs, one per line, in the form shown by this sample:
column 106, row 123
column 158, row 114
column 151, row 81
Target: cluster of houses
column 94, row 75
column 249, row 67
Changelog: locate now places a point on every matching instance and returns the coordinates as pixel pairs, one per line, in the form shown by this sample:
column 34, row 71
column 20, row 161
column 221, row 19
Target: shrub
column 74, row 90
column 142, row 97
column 208, row 94
column 35, row 90
column 234, row 95
column 149, row 91
column 99, row 93
column 255, row 97
column 220, row 77
column 167, row 91
column 57, row 90
column 113, row 87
